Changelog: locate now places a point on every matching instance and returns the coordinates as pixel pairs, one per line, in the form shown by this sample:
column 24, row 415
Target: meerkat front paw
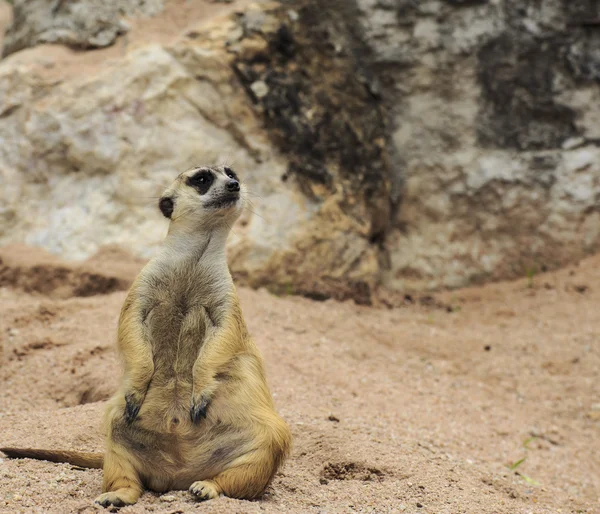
column 133, row 404
column 204, row 490
column 198, row 409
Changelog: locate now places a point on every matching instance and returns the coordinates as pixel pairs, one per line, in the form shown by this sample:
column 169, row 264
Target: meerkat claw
column 198, row 410
column 203, row 490
column 110, row 500
column 132, row 408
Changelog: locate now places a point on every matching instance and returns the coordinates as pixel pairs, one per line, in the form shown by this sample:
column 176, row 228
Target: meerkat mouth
column 223, row 202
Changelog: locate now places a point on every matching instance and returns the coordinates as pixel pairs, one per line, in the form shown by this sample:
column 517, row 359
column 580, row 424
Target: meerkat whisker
column 252, row 211
column 252, row 193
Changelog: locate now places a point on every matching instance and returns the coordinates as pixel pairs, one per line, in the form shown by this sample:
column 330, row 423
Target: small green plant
column 529, row 440
column 516, row 464
column 530, row 273
column 527, row 479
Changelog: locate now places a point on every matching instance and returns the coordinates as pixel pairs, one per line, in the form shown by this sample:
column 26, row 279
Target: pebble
column 124, row 27
column 235, row 35
column 573, row 142
column 260, row 88
column 168, row 498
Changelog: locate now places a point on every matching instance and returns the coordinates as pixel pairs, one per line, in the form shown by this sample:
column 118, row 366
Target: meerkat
column 193, row 410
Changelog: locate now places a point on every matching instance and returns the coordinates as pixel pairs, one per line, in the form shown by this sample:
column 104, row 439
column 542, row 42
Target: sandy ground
column 419, row 409
column 415, row 409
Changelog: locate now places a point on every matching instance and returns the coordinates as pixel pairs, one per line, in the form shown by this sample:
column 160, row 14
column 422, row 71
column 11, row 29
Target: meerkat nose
column 233, row 185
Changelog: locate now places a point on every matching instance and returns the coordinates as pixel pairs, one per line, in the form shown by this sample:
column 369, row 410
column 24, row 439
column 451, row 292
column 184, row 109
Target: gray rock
column 83, row 162
column 496, row 109
column 413, row 145
column 76, row 23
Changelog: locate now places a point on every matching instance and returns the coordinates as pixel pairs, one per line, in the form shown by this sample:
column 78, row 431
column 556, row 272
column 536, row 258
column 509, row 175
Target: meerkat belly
column 175, row 460
column 173, row 451
column 177, row 334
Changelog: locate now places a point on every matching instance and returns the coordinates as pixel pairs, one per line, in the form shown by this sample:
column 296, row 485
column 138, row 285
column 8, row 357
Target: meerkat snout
column 233, row 185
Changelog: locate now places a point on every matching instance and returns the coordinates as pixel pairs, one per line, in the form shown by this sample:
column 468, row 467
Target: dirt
column 414, row 409
column 483, row 400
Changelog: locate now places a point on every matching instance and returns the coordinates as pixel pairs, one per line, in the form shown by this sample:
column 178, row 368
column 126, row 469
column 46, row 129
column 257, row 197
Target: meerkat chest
column 180, row 313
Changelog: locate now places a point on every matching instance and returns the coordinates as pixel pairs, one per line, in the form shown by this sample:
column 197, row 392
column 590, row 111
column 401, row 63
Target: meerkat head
column 205, row 197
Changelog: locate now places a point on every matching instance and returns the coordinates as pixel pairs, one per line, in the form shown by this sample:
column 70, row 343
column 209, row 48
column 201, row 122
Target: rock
column 572, row 143
column 466, row 2
column 168, row 498
column 494, row 108
column 115, row 139
column 387, row 144
column 76, row 23
column 260, row 89
column 251, row 49
column 319, row 113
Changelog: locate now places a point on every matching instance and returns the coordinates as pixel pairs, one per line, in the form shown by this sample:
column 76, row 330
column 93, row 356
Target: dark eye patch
column 201, row 181
column 230, row 173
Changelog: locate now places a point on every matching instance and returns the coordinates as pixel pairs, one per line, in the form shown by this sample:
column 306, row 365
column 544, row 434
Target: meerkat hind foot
column 204, row 490
column 118, row 498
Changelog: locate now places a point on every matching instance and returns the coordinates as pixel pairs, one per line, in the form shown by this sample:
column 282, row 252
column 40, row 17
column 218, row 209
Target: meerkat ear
column 166, row 206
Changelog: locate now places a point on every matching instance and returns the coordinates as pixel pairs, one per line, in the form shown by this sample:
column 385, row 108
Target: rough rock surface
column 320, row 112
column 114, row 140
column 77, row 23
column 495, row 131
column 414, row 145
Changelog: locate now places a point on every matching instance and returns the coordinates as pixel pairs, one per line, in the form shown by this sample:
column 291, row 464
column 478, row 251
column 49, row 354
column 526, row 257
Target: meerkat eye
column 230, row 173
column 201, row 181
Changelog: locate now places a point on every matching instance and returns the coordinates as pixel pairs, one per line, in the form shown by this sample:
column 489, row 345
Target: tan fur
column 81, row 459
column 194, row 409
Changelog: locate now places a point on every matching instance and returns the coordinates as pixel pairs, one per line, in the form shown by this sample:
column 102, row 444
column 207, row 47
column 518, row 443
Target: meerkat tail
column 81, row 459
